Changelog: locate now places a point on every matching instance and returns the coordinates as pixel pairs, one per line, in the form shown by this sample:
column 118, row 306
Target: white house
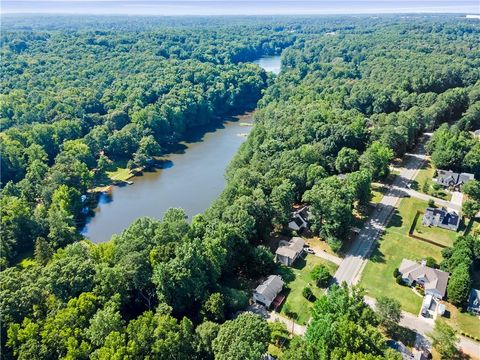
column 434, row 281
column 288, row 252
column 267, row 291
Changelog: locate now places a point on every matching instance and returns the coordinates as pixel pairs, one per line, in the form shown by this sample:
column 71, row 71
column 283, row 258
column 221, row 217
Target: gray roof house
column 434, row 281
column 267, row 291
column 299, row 219
column 288, row 252
column 452, row 179
column 441, row 218
column 474, row 302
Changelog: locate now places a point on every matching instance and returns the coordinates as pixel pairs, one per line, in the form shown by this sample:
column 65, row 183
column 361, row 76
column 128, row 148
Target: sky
column 239, row 7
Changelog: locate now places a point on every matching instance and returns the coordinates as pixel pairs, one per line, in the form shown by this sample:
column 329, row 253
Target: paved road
column 355, row 260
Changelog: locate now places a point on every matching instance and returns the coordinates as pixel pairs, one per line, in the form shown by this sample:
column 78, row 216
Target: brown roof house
column 434, row 281
column 266, row 292
column 289, row 251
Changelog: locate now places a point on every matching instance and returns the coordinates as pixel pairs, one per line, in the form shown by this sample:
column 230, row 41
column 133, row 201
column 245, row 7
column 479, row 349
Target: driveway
column 326, row 256
column 352, row 265
column 457, row 200
column 272, row 316
column 424, row 327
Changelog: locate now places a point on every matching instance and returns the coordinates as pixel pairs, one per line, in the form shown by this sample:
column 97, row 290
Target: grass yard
column 463, row 321
column 394, row 245
column 378, row 191
column 298, row 277
column 120, row 174
column 319, row 244
column 441, row 236
column 423, row 182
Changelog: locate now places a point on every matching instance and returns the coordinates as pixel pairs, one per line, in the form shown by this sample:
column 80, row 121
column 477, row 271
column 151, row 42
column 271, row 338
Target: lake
column 190, row 179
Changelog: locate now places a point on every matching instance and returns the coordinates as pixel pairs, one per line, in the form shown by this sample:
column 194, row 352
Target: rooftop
column 434, row 278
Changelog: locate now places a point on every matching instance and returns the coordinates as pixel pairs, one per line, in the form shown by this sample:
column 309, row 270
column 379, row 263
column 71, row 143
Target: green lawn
column 377, row 193
column 441, row 236
column 464, row 321
column 423, row 182
column 395, row 244
column 119, row 174
column 298, row 277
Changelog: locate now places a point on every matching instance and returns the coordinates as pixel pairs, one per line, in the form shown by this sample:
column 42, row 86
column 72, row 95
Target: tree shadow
column 300, row 263
column 405, row 335
column 377, row 256
column 395, row 220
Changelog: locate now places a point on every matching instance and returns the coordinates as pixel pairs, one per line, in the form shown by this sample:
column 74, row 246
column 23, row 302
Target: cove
column 190, row 179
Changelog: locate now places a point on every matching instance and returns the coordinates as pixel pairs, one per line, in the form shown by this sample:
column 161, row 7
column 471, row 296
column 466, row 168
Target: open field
column 298, row 277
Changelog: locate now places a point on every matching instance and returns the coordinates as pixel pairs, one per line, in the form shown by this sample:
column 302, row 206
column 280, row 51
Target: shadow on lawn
column 377, row 256
column 396, row 220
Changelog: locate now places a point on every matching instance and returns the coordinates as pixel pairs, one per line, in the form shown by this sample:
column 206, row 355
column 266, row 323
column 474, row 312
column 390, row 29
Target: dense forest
column 353, row 94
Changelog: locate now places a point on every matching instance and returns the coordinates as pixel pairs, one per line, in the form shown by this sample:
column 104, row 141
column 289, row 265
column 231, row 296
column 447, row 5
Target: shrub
column 307, row 293
column 321, row 275
column 399, row 279
column 396, row 273
column 431, row 203
column 431, row 262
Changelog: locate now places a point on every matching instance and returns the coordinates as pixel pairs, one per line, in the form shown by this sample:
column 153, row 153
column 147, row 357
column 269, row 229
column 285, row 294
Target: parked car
column 309, row 250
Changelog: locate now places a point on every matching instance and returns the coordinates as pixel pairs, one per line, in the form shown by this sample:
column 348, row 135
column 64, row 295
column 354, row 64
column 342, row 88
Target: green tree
column 389, row 313
column 321, row 275
column 459, row 285
column 347, row 160
column 245, row 338
column 214, row 308
column 444, row 340
column 376, row 159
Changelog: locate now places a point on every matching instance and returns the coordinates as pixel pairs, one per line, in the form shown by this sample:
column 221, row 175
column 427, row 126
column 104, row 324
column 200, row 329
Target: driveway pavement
column 356, row 258
column 424, row 327
column 326, row 256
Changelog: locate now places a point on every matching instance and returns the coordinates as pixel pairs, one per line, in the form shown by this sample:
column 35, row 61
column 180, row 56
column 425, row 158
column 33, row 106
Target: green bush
column 307, row 293
column 431, row 203
column 399, row 279
column 396, row 273
column 321, row 275
column 431, row 262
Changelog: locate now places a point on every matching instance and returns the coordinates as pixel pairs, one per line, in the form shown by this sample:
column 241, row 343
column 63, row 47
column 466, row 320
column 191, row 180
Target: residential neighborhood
column 427, row 284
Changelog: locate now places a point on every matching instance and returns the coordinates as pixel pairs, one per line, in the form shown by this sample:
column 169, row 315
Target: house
column 434, row 281
column 266, row 292
column 452, row 179
column 289, row 251
column 299, row 219
column 441, row 218
column 474, row 302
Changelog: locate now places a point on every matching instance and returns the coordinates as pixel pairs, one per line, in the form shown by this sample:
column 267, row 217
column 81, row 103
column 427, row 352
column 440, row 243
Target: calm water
column 269, row 63
column 190, row 180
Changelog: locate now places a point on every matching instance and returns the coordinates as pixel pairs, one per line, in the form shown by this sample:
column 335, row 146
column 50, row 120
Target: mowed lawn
column 441, row 236
column 425, row 175
column 394, row 245
column 298, row 277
